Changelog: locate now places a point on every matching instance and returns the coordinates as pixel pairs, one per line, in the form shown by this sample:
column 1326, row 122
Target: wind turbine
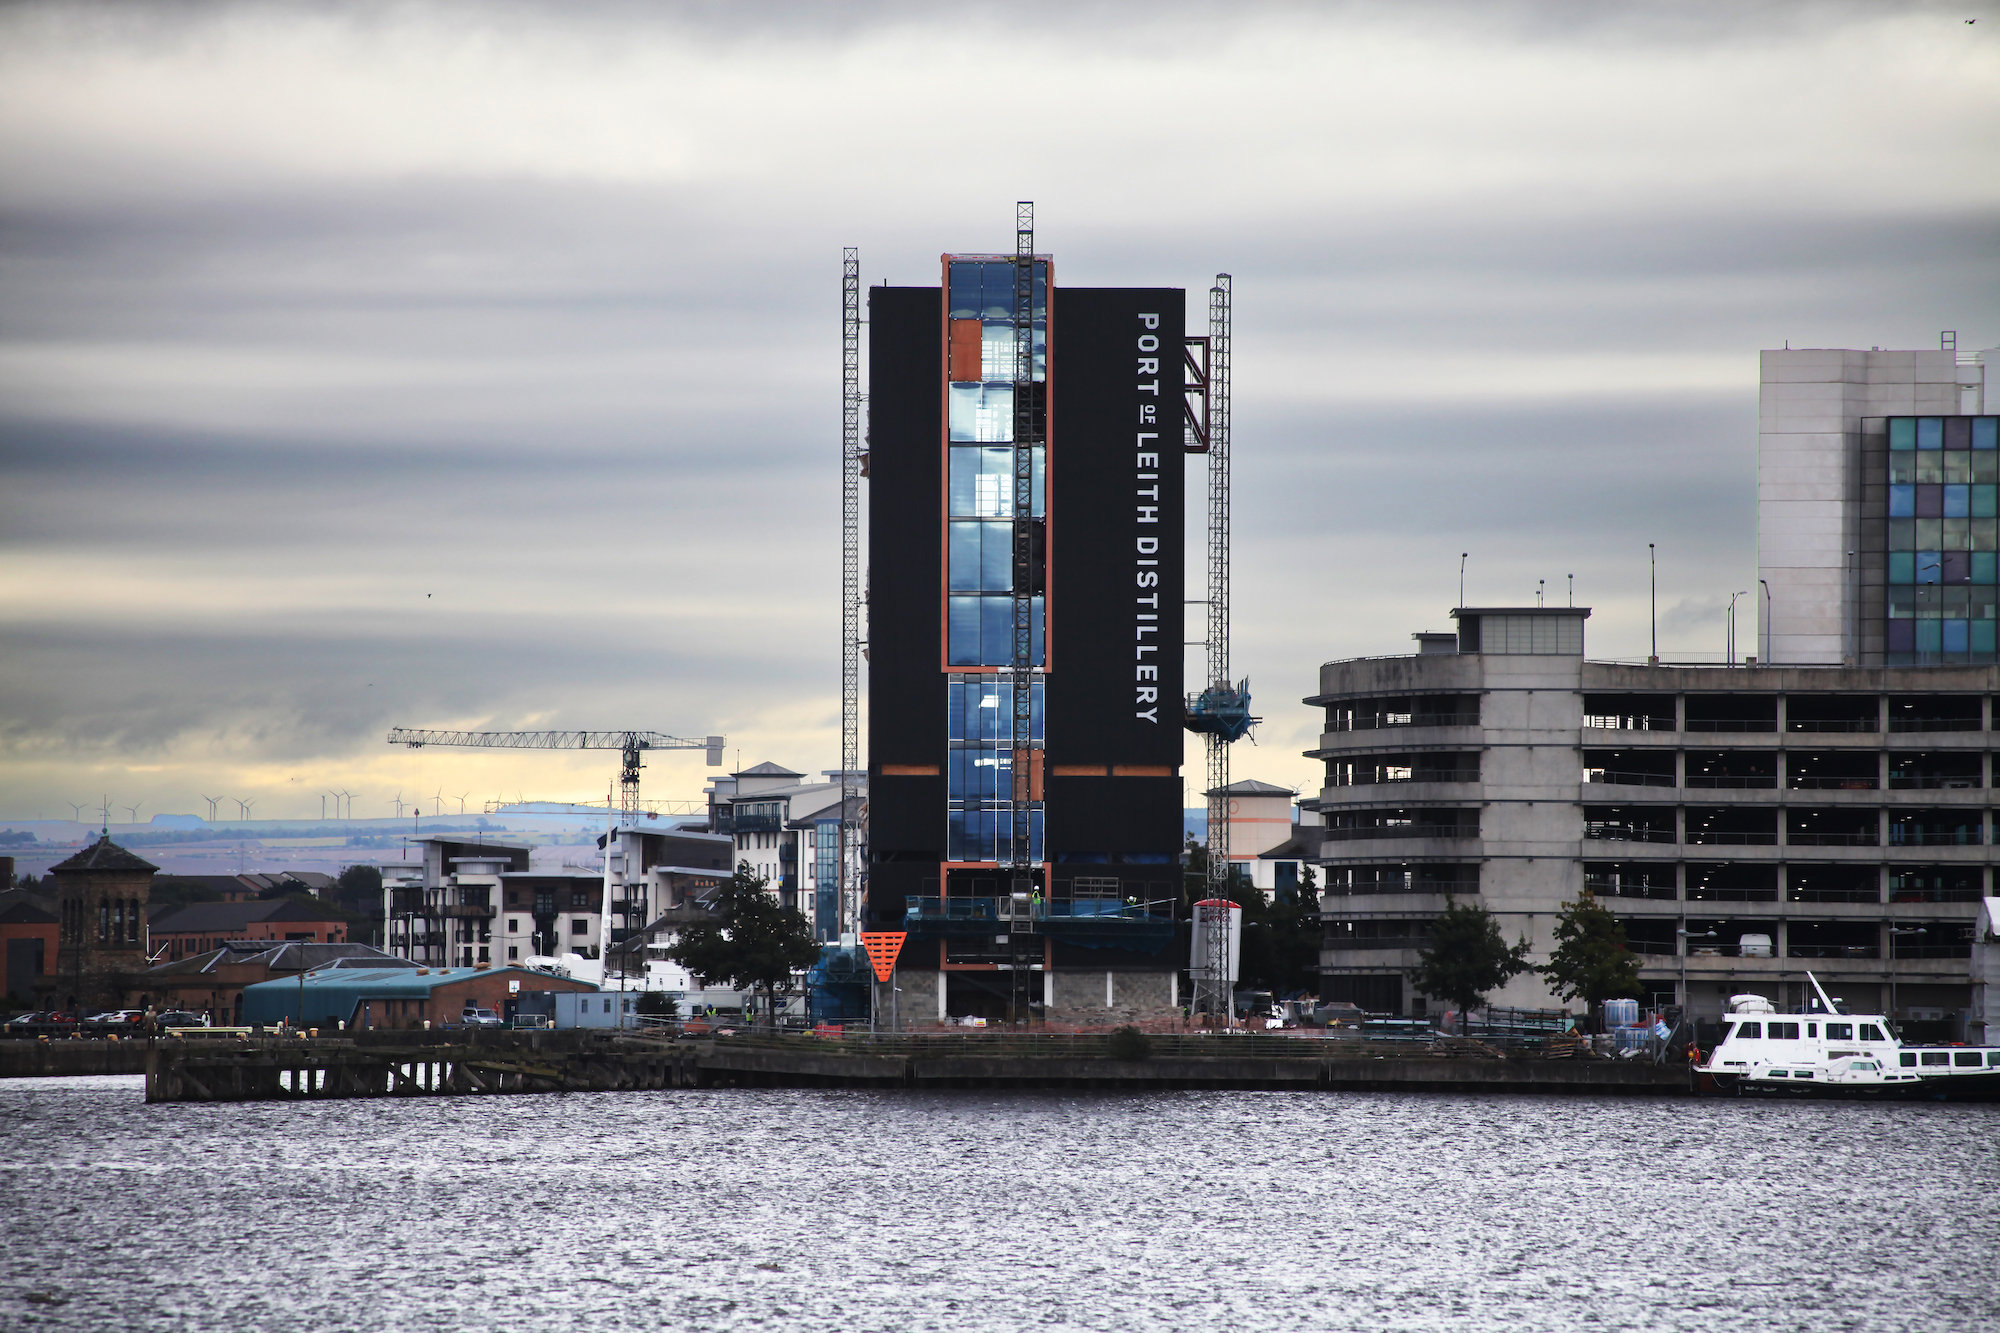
column 397, row 801
column 213, row 801
column 461, row 801
column 243, row 806
column 132, row 810
column 77, row 808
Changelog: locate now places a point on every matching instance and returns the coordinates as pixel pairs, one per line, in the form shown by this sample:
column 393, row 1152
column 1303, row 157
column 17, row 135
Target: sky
column 477, row 366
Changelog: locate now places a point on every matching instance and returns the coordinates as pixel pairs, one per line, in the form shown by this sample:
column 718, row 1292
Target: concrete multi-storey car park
column 1841, row 813
column 1096, row 550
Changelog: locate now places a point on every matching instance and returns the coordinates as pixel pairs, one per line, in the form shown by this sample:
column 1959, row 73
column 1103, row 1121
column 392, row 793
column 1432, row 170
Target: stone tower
column 102, row 894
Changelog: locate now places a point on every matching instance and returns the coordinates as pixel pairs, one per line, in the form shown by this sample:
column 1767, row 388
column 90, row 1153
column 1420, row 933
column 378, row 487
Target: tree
column 1467, row 959
column 753, row 941
column 1590, row 961
column 1281, row 941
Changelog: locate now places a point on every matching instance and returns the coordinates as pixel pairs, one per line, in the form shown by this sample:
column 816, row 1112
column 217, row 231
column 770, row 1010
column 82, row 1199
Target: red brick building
column 212, row 983
column 28, row 942
column 200, row 927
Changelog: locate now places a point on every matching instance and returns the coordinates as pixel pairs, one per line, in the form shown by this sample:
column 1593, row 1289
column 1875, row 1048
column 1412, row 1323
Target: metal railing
column 1627, row 779
column 1401, row 831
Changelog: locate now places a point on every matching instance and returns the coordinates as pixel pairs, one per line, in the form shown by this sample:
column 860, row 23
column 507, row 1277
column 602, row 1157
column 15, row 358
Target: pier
column 403, row 1064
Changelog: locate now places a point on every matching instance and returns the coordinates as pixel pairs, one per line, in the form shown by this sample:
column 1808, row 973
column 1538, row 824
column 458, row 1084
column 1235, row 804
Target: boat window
column 1779, row 1073
column 1812, row 1029
column 1909, row 1059
column 1869, row 1032
column 1863, row 1066
column 1802, row 1073
column 1748, row 1032
column 1993, row 1059
column 1784, row 1032
column 1937, row 1057
column 1840, row 1032
column 1966, row 1059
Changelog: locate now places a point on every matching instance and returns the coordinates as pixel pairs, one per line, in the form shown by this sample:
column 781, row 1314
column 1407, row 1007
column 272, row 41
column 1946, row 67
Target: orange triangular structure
column 882, row 947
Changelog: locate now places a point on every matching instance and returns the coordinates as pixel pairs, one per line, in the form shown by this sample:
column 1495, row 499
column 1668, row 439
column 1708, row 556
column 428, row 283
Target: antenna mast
column 851, row 611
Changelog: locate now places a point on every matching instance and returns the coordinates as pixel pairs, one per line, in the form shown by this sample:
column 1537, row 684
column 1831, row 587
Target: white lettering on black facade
column 1148, row 618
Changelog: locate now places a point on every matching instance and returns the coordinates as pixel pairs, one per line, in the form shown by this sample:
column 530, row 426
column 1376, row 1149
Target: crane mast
column 852, row 624
column 1220, row 714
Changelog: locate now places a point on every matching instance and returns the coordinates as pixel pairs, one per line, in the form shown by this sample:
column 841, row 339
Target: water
column 818, row 1210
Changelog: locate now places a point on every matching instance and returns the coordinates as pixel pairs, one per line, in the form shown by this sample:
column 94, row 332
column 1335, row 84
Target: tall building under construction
column 1025, row 537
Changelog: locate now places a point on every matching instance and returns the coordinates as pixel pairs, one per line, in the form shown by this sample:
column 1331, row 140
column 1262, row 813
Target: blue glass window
column 1930, row 435
column 1954, row 636
column 1979, row 637
column 982, row 413
column 982, row 708
column 1930, row 566
column 1985, row 432
column 1902, row 566
column 982, row 557
column 982, row 482
column 1982, row 501
column 981, row 834
column 980, row 630
column 1902, row 501
column 1930, row 636
column 1957, row 503
column 1902, row 433
column 1984, row 567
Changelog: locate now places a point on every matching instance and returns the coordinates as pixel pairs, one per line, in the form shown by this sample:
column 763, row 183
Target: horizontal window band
column 1079, row 770
column 909, row 770
column 1142, row 770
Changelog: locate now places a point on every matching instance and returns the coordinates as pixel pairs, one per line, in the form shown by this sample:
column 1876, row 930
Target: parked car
column 523, row 1021
column 119, row 1016
column 181, row 1018
column 22, row 1020
column 475, row 1017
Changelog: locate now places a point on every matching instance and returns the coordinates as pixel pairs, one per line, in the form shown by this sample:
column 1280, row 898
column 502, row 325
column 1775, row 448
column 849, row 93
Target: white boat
column 1824, row 1050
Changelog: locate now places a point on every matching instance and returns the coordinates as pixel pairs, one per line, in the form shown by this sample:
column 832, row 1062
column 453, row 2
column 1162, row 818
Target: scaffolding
column 853, row 627
column 1220, row 713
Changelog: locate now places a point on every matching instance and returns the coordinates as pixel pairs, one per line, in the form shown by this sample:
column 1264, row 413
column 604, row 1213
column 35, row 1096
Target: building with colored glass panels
column 1877, row 527
column 1025, row 530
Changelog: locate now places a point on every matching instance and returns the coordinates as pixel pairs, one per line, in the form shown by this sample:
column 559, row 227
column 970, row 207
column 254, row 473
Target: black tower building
column 1051, row 892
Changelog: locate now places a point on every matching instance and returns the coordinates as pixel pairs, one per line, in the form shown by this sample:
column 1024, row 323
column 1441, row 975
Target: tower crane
column 1221, row 712
column 630, row 744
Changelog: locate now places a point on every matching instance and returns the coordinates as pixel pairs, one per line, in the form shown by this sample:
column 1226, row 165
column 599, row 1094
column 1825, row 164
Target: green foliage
column 754, row 942
column 358, row 890
column 658, row 1004
column 1590, row 961
column 1467, row 959
column 1281, row 942
column 1128, row 1043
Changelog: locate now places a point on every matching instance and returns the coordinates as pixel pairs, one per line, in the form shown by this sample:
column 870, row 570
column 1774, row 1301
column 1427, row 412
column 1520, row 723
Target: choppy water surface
column 864, row 1210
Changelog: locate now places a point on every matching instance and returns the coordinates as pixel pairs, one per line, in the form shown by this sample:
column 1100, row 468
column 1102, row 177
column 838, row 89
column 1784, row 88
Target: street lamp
column 1686, row 935
column 1729, row 657
column 1765, row 584
column 1893, row 932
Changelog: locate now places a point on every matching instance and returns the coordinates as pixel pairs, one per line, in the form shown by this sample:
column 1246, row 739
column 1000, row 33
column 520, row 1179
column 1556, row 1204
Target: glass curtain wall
column 1943, row 539
column 980, row 560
